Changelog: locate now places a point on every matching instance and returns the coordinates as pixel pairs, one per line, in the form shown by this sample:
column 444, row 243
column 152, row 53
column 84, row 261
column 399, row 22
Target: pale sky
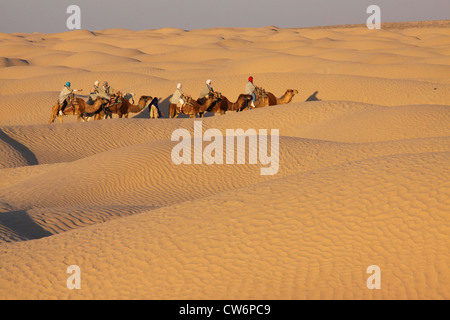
column 49, row 16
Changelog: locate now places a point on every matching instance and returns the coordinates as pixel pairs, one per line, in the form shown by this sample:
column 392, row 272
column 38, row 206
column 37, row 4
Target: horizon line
column 391, row 25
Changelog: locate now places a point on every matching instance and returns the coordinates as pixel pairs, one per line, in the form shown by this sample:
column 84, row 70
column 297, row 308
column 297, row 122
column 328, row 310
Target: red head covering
column 250, row 79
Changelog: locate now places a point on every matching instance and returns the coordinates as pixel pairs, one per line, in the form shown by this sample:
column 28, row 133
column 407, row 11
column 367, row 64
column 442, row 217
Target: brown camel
column 285, row 99
column 226, row 105
column 73, row 108
column 207, row 104
column 265, row 99
column 122, row 107
column 193, row 107
column 262, row 100
column 94, row 110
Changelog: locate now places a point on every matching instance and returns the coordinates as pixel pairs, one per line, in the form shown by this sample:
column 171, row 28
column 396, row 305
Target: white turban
column 208, row 81
column 179, row 86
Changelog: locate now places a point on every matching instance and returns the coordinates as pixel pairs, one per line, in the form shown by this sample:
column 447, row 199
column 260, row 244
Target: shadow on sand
column 313, row 97
column 163, row 107
column 23, row 150
column 23, row 225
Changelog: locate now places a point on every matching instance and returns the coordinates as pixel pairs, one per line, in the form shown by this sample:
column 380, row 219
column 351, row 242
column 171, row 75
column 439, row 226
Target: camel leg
column 99, row 116
column 54, row 113
column 52, row 119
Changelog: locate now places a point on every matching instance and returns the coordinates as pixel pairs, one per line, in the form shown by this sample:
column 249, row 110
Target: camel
column 192, row 107
column 130, row 97
column 226, row 105
column 285, row 99
column 72, row 108
column 265, row 99
column 262, row 100
column 94, row 110
column 209, row 103
column 122, row 107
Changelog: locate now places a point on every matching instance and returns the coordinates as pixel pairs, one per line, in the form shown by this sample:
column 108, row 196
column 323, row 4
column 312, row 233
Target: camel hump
column 272, row 99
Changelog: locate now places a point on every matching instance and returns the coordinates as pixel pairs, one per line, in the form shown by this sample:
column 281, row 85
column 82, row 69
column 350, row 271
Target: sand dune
column 363, row 175
column 145, row 173
column 296, row 253
column 7, row 62
column 35, row 71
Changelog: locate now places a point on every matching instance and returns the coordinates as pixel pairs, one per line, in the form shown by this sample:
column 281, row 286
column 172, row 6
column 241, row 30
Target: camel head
column 291, row 92
column 99, row 101
column 215, row 97
column 145, row 99
column 218, row 96
column 245, row 97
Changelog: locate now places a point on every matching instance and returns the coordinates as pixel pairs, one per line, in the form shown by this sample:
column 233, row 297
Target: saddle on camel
column 67, row 99
column 121, row 106
column 189, row 107
column 69, row 106
column 189, row 104
column 97, row 109
column 262, row 98
column 208, row 103
column 111, row 106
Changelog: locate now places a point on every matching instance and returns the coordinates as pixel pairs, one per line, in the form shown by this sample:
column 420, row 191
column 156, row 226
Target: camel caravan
column 104, row 101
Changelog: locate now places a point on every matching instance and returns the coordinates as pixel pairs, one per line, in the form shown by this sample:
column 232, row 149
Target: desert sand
column 363, row 178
